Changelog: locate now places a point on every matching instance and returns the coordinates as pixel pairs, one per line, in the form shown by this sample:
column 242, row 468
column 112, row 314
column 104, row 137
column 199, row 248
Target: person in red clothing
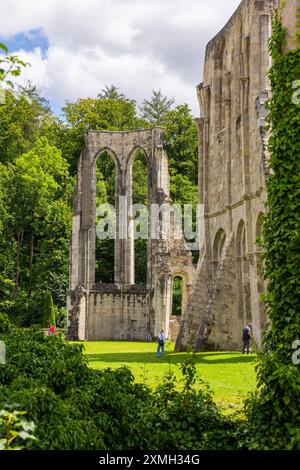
column 51, row 330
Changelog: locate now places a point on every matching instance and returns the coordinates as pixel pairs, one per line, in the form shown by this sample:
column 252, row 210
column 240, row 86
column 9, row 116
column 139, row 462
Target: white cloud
column 136, row 45
column 64, row 75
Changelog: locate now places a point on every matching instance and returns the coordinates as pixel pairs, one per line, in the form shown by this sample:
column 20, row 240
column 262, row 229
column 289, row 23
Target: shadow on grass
column 149, row 357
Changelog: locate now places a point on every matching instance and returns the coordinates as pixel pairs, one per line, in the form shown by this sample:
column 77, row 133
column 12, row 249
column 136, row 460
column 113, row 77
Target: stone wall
column 120, row 314
column 223, row 293
column 289, row 12
column 233, row 165
column 123, row 309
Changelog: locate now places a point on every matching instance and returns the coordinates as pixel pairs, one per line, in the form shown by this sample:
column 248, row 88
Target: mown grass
column 230, row 375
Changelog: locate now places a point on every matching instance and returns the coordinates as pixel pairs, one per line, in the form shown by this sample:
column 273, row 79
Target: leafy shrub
column 75, row 407
column 189, row 419
column 14, row 430
column 272, row 412
column 49, row 311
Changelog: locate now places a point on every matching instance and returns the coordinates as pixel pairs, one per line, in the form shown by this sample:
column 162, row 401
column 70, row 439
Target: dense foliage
column 49, row 311
column 14, row 429
column 39, row 154
column 177, row 296
column 34, row 247
column 38, row 162
column 274, row 413
column 75, row 407
column 10, row 67
column 155, row 109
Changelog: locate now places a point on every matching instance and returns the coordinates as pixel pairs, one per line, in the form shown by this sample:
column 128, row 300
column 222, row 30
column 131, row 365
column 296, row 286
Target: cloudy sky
column 76, row 47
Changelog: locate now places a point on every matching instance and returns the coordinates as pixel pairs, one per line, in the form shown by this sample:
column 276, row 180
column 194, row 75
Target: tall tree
column 111, row 92
column 21, row 124
column 10, row 67
column 181, row 145
column 94, row 114
column 7, row 245
column 38, row 190
column 181, row 142
column 155, row 109
column 49, row 311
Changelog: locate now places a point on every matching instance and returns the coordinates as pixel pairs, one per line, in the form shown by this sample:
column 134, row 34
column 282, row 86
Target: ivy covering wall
column 275, row 411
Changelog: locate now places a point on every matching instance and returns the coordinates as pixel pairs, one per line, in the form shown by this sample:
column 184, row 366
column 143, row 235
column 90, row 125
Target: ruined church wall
column 121, row 310
column 235, row 69
column 118, row 315
column 232, row 173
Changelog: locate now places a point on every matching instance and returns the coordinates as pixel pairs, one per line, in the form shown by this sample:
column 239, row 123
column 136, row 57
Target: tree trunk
column 20, row 236
column 30, row 263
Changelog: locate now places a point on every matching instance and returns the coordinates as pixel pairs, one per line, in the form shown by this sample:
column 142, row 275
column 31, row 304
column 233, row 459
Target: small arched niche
column 243, row 275
column 259, row 270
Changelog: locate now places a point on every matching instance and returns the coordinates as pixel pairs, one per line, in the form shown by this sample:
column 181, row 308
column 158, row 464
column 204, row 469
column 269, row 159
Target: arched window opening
column 259, row 272
column 105, row 172
column 219, row 244
column 243, row 275
column 140, row 215
column 218, row 249
column 177, row 292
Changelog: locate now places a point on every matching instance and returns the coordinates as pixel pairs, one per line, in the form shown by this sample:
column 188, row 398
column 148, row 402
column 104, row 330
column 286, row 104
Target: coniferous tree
column 49, row 313
column 155, row 109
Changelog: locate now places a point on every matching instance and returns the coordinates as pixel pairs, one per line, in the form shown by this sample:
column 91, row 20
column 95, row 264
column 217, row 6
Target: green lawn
column 229, row 374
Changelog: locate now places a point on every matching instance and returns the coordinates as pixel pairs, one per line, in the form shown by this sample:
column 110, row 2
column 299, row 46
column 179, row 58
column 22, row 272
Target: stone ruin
column 124, row 309
column 223, row 293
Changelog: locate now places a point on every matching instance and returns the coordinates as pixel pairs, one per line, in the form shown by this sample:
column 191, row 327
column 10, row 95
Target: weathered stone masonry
column 122, row 310
column 233, row 165
column 224, row 291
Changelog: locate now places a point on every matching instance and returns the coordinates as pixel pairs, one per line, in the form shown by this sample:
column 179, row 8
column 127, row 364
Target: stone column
column 161, row 278
column 265, row 60
column 227, row 104
column 204, row 96
column 245, row 113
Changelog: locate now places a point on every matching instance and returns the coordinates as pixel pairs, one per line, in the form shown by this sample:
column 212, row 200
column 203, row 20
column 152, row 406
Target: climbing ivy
column 281, row 229
column 273, row 413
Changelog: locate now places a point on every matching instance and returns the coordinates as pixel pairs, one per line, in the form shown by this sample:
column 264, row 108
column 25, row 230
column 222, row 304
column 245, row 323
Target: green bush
column 189, row 419
column 75, row 407
column 272, row 412
column 49, row 311
column 14, row 430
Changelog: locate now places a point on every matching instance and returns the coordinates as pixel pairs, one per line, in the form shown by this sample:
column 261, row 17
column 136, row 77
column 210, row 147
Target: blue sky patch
column 28, row 40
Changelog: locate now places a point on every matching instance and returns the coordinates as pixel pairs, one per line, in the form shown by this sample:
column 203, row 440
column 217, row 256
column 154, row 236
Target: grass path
column 230, row 374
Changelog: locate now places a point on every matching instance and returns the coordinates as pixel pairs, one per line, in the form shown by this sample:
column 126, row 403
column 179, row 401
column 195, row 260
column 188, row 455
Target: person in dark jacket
column 160, row 344
column 247, row 335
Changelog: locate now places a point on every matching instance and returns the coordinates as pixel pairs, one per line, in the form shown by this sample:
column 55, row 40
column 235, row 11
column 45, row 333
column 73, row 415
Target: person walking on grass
column 160, row 344
column 247, row 338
